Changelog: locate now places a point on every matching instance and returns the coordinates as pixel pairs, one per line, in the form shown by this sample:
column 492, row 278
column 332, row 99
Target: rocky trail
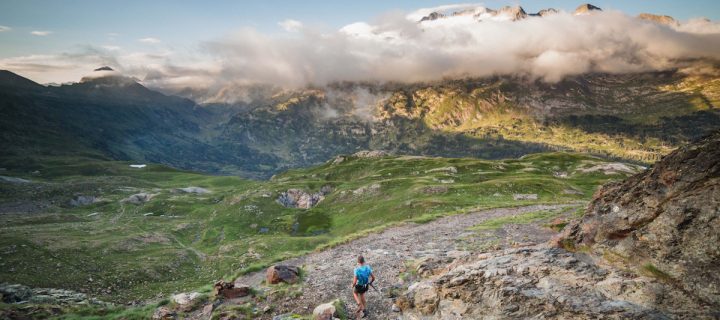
column 328, row 274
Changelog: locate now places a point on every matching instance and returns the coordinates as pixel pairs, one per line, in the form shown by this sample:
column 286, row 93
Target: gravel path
column 328, row 274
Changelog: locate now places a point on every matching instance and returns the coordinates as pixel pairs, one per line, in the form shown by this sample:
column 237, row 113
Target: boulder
column 196, row 190
column 282, row 273
column 185, row 298
column 296, row 198
column 327, row 311
column 370, row 154
column 138, row 198
column 229, row 290
column 81, row 200
column 164, row 313
column 519, row 197
column 12, row 293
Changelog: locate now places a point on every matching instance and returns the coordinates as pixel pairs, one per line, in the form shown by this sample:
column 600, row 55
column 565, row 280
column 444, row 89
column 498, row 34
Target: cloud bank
column 41, row 33
column 396, row 48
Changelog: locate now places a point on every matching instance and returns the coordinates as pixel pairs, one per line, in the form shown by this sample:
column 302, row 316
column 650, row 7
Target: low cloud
column 5, row 28
column 41, row 33
column 395, row 47
column 291, row 25
column 150, row 40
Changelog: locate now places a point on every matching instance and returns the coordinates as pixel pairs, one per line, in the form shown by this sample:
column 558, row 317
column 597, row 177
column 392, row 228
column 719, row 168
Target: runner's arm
column 372, row 278
column 354, row 282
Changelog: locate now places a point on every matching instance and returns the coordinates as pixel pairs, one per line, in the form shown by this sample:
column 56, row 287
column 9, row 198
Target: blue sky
column 182, row 24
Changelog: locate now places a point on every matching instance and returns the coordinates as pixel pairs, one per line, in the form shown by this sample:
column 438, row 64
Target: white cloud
column 150, row 40
column 5, row 28
column 111, row 47
column 41, row 33
column 291, row 25
column 395, row 48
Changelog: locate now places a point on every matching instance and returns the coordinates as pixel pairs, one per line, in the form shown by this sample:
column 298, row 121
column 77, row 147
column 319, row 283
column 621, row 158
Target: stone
column 164, row 313
column 426, row 299
column 229, row 290
column 518, row 197
column 370, row 154
column 296, row 198
column 195, row 190
column 185, row 298
column 325, row 311
column 138, row 198
column 12, row 293
column 282, row 273
column 395, row 308
column 81, row 200
column 208, row 309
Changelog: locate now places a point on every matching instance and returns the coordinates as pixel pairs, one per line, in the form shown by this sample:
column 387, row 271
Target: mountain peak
column 514, row 13
column 104, row 68
column 11, row 79
column 661, row 19
column 586, row 9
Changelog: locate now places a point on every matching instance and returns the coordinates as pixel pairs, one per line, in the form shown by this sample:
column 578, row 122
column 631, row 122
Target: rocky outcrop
column 195, row 190
column 546, row 12
column 138, row 198
column 664, row 221
column 296, row 198
column 538, row 282
column 513, row 13
column 586, row 8
column 164, row 313
column 666, row 20
column 282, row 273
column 645, row 249
column 370, row 154
column 229, row 290
column 327, row 311
column 81, row 200
column 16, row 293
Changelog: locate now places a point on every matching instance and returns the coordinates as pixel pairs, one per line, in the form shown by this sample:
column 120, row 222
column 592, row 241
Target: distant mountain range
column 515, row 13
column 636, row 117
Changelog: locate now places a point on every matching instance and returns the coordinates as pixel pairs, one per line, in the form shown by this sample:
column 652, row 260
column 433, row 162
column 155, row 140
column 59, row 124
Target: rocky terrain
column 664, row 221
column 644, row 250
column 398, row 256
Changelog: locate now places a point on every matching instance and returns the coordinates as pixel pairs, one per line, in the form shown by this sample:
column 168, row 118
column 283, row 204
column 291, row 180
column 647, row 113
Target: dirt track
column 328, row 274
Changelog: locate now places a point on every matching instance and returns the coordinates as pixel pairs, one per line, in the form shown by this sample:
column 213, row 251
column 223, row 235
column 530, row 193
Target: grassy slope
column 177, row 241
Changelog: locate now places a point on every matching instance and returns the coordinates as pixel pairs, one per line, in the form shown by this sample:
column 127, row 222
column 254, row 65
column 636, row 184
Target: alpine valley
column 502, row 196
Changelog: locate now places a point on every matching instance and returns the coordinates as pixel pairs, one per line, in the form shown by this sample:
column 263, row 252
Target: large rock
column 164, row 313
column 229, row 290
column 664, row 221
column 325, row 311
column 81, row 200
column 196, row 190
column 282, row 273
column 12, row 293
column 185, row 298
column 138, row 198
column 296, row 198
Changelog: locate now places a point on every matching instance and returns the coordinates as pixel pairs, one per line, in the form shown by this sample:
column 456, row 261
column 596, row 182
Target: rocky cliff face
column 646, row 248
column 665, row 221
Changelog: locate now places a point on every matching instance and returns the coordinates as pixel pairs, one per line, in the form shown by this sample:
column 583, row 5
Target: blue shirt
column 363, row 274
